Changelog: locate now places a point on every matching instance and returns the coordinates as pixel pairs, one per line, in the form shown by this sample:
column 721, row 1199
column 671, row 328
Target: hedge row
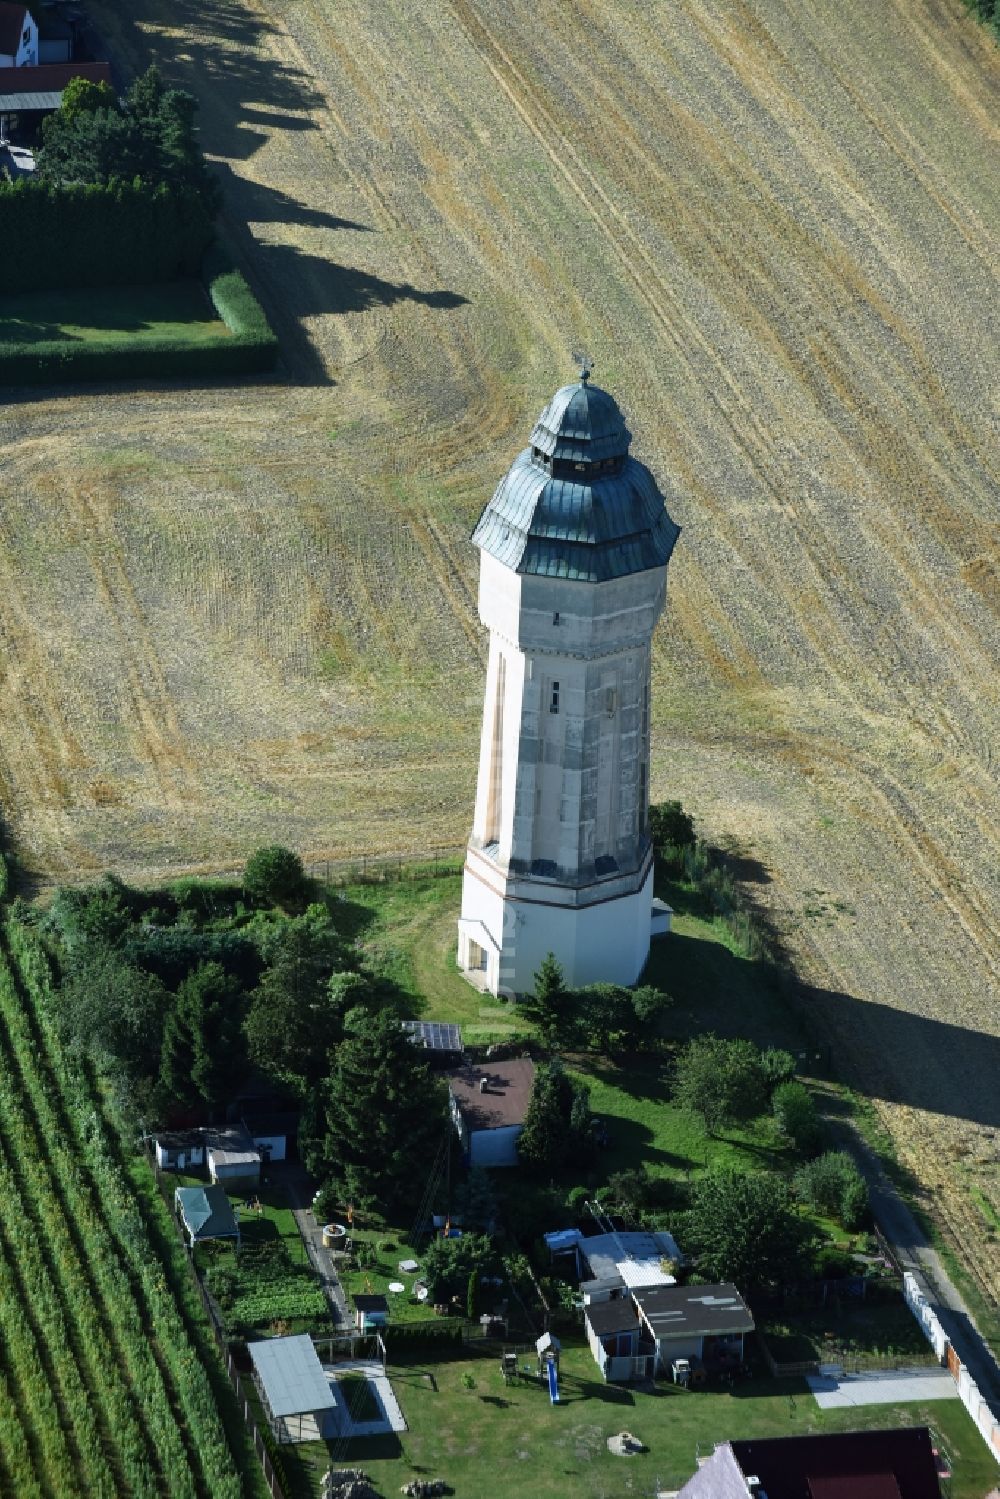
column 118, row 234
column 253, row 348
column 235, row 302
column 402, row 1335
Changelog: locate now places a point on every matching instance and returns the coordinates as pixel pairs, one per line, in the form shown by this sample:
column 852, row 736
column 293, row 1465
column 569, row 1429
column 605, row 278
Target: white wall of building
column 494, row 1147
column 559, row 856
column 604, row 940
column 27, row 51
column 275, row 1145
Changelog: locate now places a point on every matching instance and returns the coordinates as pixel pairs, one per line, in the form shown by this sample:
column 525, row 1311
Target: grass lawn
column 407, row 931
column 714, row 986
column 643, row 1125
column 388, row 1246
column 471, row 1437
column 174, row 311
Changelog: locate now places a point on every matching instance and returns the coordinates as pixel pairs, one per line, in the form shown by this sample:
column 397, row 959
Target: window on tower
column 554, row 699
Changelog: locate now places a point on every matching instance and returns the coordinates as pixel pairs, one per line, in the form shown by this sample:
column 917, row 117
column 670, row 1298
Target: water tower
column 574, row 549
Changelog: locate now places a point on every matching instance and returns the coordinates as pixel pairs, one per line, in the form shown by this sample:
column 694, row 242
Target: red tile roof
column 12, row 23
column 50, row 77
column 843, row 1465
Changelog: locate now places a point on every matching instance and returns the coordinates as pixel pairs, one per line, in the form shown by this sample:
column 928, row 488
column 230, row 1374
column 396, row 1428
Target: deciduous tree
column 793, row 1107
column 833, row 1184
column 742, row 1227
column 275, row 875
column 295, row 1017
column 720, row 1080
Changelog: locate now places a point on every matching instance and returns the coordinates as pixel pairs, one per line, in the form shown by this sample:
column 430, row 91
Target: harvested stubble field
column 235, row 615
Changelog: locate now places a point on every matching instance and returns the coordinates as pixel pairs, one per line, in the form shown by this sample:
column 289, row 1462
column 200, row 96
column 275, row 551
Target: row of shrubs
column 252, row 348
column 446, row 1333
column 100, row 234
column 680, row 851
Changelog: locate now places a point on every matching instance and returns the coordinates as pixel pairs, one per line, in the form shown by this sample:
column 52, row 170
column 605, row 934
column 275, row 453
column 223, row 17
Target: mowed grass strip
column 466, row 1426
column 176, row 311
column 406, row 931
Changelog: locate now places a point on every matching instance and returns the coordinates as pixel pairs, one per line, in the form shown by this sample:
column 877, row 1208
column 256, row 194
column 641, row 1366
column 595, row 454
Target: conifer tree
column 386, row 1115
column 557, row 1121
column 202, row 1051
column 548, row 1005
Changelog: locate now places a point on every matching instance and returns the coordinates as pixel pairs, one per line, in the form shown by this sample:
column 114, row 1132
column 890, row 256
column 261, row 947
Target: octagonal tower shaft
column 575, row 545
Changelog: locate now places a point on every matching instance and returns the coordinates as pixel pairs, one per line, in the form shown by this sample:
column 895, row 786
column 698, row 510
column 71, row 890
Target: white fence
column 987, row 1420
column 916, row 1300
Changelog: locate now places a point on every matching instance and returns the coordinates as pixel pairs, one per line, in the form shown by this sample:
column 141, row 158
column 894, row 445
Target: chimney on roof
column 484, row 1085
column 756, row 1488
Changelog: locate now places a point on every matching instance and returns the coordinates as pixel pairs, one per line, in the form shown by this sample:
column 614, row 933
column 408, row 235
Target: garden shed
column 272, row 1135
column 206, row 1213
column 488, row 1105
column 297, row 1396
column 370, row 1312
column 233, row 1159
column 633, row 1334
column 694, row 1322
column 179, row 1150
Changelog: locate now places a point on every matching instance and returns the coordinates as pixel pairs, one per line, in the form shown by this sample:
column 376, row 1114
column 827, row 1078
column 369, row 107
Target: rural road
column 909, row 1243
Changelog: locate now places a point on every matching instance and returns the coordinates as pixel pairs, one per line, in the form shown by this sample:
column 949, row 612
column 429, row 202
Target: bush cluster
column 834, row 1185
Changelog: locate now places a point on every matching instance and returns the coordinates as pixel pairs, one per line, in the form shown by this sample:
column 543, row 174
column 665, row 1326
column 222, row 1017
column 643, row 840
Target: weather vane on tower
column 584, row 363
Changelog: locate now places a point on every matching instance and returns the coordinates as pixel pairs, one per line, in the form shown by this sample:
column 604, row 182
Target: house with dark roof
column 18, row 36
column 488, row 1105
column 896, row 1464
column 639, row 1335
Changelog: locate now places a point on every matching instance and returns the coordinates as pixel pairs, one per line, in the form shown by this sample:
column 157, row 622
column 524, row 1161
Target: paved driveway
column 895, row 1387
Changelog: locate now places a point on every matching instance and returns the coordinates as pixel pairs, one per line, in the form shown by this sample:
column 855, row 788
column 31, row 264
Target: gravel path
column 299, row 1191
column 910, row 1245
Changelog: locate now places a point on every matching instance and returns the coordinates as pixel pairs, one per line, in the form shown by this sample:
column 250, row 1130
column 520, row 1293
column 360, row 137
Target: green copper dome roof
column 575, row 504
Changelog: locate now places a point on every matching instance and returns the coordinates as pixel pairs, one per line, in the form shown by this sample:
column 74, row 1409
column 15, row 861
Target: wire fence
column 271, row 1478
column 375, row 869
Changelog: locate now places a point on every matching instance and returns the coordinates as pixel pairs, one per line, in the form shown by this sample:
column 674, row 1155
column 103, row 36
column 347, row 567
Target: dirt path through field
column 235, row 615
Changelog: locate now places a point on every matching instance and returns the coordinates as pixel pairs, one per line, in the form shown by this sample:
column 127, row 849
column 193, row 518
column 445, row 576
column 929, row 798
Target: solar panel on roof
column 435, row 1035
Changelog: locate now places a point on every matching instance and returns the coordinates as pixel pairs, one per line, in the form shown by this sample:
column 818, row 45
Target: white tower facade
column 574, row 550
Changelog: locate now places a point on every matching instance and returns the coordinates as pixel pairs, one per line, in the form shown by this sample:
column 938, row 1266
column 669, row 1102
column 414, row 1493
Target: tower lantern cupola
column 574, row 549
